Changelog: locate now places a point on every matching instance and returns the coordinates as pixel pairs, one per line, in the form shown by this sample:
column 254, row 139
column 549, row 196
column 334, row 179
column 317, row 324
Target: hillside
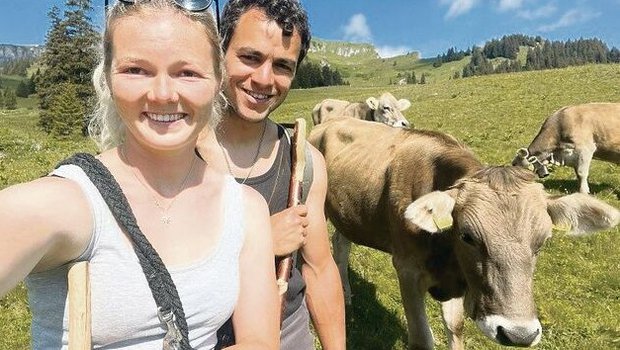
column 361, row 65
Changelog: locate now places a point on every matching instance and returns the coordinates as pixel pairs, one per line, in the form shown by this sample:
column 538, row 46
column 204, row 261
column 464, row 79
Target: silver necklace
column 165, row 218
column 260, row 144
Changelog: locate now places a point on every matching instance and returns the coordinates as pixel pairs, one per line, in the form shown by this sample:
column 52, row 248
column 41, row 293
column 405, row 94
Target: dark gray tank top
column 274, row 187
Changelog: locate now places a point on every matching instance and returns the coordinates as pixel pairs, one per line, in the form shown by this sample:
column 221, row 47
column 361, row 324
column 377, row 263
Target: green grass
column 577, row 282
column 10, row 81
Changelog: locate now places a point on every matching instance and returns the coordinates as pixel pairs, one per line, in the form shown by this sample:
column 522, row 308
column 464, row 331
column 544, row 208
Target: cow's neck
column 545, row 142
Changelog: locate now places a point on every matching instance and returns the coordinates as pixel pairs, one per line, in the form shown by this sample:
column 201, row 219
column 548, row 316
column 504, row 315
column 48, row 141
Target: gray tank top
column 123, row 310
column 274, row 187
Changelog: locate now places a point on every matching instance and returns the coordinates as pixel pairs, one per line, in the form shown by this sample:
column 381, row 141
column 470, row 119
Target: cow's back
column 358, row 110
column 327, row 109
column 592, row 122
column 375, row 171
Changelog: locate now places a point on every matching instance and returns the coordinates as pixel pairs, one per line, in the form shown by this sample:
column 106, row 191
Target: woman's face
column 162, row 78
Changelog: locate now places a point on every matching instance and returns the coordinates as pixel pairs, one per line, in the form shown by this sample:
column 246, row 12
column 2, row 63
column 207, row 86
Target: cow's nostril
column 518, row 336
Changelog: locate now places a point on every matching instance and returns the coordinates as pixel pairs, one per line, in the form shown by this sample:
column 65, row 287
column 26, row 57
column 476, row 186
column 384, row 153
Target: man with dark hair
column 264, row 42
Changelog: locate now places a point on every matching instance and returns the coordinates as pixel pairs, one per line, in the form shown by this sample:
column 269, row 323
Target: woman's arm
column 43, row 224
column 257, row 315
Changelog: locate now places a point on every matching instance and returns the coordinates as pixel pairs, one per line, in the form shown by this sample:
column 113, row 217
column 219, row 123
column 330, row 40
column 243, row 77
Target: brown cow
column 466, row 233
column 572, row 136
column 386, row 109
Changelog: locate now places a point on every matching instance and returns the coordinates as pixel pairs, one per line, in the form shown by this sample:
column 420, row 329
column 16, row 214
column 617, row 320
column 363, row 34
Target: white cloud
column 570, row 18
column 507, row 5
column 357, row 29
column 541, row 12
column 391, row 51
column 458, row 7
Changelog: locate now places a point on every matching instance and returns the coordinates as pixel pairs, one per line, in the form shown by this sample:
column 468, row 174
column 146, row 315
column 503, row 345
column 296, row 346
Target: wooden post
column 79, row 307
column 298, row 164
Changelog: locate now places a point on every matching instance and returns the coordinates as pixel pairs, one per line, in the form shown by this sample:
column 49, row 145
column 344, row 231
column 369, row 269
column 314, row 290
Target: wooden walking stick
column 298, row 164
column 79, row 307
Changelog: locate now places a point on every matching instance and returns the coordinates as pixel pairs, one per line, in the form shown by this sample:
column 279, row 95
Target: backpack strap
column 308, row 170
column 169, row 307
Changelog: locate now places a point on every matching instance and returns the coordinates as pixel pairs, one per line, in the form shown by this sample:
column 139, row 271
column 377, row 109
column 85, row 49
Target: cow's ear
column 403, row 104
column 579, row 213
column 431, row 212
column 372, row 102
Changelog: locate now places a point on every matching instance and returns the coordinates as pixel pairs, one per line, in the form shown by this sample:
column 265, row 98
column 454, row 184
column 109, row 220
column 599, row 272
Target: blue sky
column 395, row 26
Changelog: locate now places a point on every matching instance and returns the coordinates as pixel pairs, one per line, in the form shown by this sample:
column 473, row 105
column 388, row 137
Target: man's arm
column 324, row 289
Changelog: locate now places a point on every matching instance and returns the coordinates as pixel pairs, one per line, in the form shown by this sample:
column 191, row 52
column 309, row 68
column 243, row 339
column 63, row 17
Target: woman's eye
column 189, row 74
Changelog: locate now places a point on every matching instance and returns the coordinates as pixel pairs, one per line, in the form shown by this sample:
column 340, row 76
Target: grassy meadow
column 577, row 281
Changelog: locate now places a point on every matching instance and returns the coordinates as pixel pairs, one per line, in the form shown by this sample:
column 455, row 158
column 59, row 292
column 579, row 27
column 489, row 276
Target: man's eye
column 283, row 67
column 249, row 58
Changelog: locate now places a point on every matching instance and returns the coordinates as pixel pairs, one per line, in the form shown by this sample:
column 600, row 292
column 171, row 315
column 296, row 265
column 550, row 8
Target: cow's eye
column 468, row 238
column 386, row 108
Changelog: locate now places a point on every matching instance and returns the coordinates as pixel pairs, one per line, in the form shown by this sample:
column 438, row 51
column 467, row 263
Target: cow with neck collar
column 466, row 233
column 573, row 136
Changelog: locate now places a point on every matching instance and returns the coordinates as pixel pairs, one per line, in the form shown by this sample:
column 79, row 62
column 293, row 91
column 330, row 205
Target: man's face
column 261, row 65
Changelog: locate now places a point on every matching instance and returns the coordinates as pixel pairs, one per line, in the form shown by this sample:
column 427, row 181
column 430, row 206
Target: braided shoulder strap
column 170, row 309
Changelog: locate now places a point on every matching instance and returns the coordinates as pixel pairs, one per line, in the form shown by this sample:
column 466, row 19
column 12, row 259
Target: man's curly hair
column 288, row 14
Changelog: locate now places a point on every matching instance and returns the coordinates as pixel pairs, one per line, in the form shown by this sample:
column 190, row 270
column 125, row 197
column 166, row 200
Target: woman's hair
column 106, row 127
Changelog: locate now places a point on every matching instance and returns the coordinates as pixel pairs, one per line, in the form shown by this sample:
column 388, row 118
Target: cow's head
column 388, row 110
column 498, row 220
column 535, row 163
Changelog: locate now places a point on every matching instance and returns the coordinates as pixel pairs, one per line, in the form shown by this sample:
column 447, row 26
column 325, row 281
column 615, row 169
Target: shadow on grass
column 370, row 326
column 572, row 186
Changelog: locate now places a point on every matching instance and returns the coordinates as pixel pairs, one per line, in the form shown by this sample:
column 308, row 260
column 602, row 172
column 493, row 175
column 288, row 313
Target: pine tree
column 423, row 78
column 70, row 56
column 10, row 99
column 66, row 111
column 22, row 89
column 1, row 99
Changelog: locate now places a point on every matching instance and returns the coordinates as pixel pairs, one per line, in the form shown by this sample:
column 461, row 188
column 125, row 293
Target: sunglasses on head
column 189, row 5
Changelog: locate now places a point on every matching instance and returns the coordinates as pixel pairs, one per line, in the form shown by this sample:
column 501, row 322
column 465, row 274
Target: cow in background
column 572, row 136
column 466, row 233
column 386, row 109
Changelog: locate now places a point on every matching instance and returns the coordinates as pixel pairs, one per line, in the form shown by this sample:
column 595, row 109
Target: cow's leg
column 419, row 332
column 582, row 168
column 342, row 250
column 453, row 313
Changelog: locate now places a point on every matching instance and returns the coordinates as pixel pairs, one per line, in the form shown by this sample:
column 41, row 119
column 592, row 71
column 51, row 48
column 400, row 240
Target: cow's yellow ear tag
column 442, row 222
column 563, row 228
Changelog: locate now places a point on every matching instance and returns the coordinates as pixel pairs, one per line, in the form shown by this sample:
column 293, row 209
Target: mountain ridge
column 16, row 52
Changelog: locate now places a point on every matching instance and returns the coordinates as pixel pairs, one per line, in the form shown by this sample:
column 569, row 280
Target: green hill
column 361, row 65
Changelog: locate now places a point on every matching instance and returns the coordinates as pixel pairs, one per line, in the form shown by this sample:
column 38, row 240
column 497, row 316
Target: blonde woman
column 157, row 85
